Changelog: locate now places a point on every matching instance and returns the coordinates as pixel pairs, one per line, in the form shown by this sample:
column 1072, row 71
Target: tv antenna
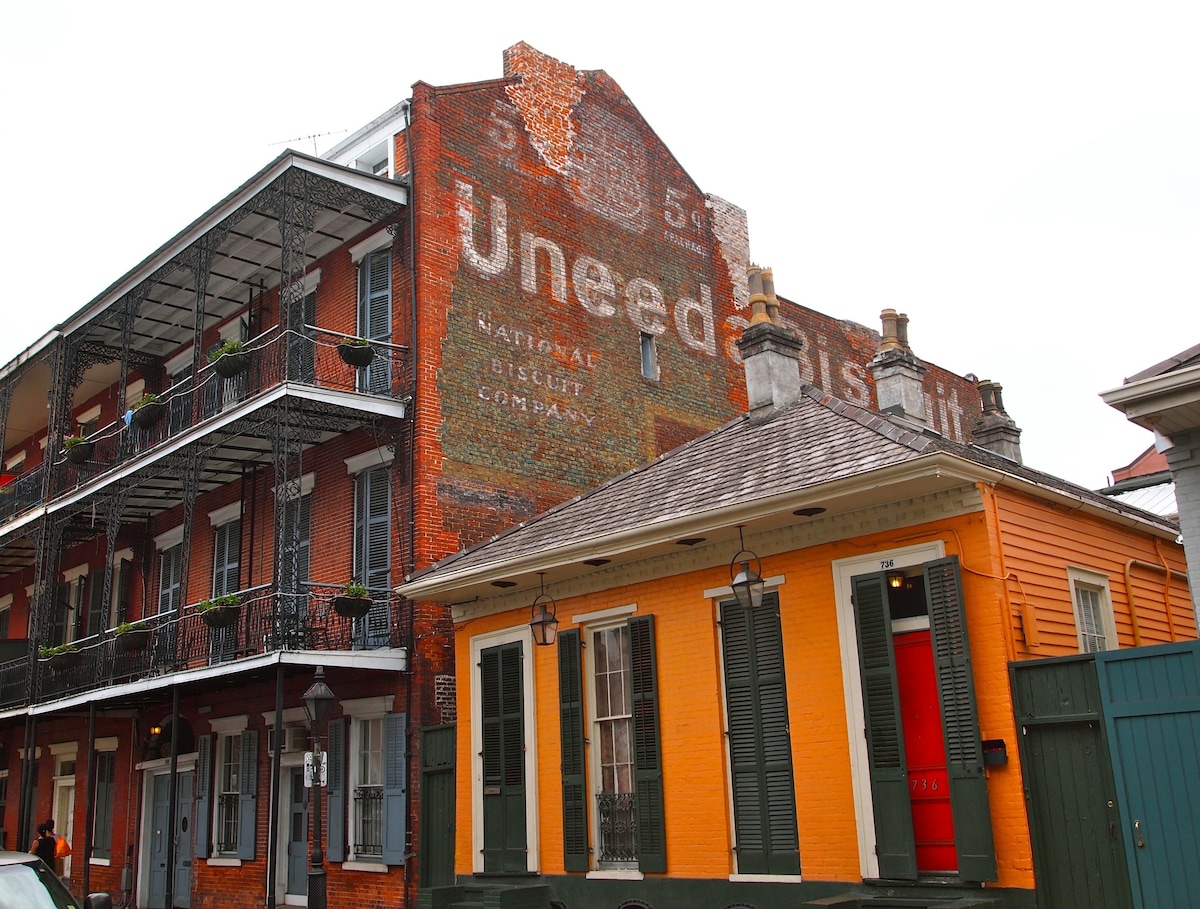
column 313, row 136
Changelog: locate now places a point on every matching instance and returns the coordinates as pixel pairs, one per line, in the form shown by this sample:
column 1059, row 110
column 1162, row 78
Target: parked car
column 26, row 883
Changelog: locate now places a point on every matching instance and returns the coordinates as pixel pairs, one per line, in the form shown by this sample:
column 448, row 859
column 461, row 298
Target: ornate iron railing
column 266, row 621
column 274, row 357
column 21, row 493
column 617, row 812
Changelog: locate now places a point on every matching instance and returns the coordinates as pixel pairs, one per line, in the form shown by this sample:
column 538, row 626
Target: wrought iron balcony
column 265, row 620
column 21, row 493
column 272, row 359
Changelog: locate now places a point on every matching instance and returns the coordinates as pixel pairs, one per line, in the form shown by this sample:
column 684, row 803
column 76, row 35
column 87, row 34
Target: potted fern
column 79, row 450
column 62, row 658
column 356, row 352
column 230, row 359
column 148, row 411
column 132, row 636
column 220, row 612
column 354, row 602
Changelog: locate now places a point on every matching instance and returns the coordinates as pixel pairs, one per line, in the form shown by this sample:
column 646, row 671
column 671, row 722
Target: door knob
column 1137, row 833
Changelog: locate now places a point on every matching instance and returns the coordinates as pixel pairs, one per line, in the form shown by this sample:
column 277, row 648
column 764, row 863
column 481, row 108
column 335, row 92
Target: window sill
column 622, row 874
column 767, row 878
column 372, row 867
column 100, row 861
column 224, row 862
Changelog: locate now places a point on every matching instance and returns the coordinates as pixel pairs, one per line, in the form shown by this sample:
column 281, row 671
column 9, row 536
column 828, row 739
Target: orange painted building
column 850, row 738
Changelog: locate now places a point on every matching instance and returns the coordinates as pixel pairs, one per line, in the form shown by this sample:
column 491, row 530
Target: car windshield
column 32, row 886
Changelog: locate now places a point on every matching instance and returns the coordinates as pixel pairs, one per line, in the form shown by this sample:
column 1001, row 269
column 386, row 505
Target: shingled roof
column 812, row 444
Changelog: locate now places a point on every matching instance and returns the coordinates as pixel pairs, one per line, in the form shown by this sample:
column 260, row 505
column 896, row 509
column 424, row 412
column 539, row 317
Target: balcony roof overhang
column 240, row 238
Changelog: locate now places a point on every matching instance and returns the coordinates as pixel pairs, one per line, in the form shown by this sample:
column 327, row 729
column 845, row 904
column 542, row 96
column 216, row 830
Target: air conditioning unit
column 295, row 739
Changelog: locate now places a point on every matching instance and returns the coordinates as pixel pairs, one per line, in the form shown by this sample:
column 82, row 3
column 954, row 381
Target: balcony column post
column 191, row 489
column 296, row 214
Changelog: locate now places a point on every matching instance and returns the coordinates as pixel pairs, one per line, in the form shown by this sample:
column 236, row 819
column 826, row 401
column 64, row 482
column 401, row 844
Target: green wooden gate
column 1151, row 705
column 437, row 806
column 1070, row 793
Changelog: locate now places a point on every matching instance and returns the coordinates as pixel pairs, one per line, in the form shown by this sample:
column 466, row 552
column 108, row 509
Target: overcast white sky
column 1022, row 179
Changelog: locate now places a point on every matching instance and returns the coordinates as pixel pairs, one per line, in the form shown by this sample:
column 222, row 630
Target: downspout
column 412, row 459
column 273, row 823
column 89, row 811
column 173, row 808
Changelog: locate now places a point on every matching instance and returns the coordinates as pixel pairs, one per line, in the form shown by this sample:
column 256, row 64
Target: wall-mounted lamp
column 895, row 579
column 747, row 583
column 544, row 621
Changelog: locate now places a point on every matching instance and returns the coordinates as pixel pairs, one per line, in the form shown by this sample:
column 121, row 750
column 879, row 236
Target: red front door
column 925, row 751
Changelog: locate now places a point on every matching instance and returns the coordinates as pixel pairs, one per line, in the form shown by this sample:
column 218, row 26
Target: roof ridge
column 871, row 419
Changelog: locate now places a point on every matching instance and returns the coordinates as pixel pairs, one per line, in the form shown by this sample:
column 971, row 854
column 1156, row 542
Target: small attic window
column 375, row 160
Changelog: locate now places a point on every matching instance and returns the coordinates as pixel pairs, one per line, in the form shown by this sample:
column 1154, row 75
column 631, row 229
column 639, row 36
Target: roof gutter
column 435, row 584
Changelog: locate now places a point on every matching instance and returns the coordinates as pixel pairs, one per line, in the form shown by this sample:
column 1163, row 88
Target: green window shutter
column 505, row 838
column 203, row 795
column 170, row 578
column 124, row 577
column 960, row 721
column 647, row 750
column 375, row 314
column 395, row 787
column 247, row 795
column 764, row 795
column 103, row 817
column 96, row 612
column 895, row 843
column 574, row 793
column 373, row 552
column 335, row 775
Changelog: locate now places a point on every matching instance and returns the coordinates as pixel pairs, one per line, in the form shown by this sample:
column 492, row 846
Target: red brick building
column 548, row 300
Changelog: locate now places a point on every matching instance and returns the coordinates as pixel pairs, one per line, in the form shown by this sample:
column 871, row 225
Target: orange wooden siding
column 694, row 755
column 1042, row 541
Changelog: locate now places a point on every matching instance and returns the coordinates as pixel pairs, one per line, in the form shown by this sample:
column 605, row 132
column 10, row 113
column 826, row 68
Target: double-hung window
column 621, row 750
column 368, row 783
column 613, row 730
column 227, row 790
column 368, row 789
column 228, row 787
column 1094, row 622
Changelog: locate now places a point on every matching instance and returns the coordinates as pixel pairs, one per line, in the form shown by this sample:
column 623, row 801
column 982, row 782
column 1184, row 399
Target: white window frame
column 860, row 768
column 362, row 711
column 225, row 728
column 479, row 643
column 1093, row 582
column 606, row 621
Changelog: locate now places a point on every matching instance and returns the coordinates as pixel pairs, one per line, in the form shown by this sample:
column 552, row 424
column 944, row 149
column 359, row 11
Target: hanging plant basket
column 66, row 660
column 149, row 414
column 133, row 641
column 357, row 355
column 352, row 607
column 221, row 616
column 81, row 452
column 229, row 365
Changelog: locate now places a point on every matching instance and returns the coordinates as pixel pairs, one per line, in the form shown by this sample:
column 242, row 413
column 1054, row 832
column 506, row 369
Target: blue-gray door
column 160, row 799
column 1151, row 698
column 297, row 851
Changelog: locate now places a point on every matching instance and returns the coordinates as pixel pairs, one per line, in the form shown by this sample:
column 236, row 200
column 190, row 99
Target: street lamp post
column 317, row 701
